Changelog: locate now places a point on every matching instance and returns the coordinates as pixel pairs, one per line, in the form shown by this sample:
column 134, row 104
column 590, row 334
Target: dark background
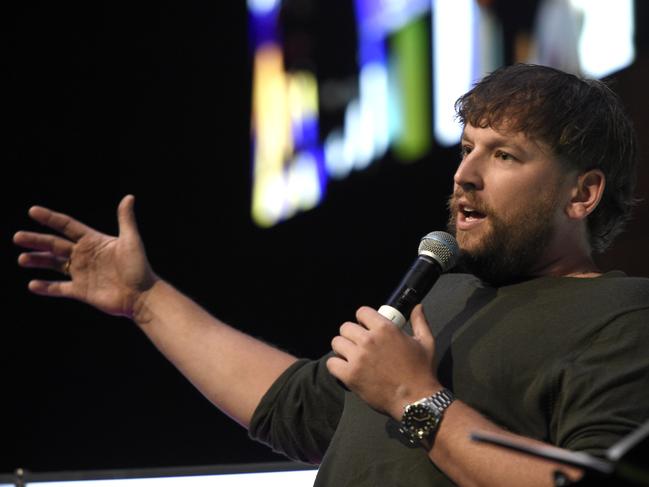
column 109, row 98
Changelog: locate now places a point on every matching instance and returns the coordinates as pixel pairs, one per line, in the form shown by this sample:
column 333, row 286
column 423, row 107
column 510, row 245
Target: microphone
column 438, row 253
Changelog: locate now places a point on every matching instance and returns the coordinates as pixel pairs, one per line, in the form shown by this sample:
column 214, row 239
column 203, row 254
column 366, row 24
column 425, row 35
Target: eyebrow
column 499, row 140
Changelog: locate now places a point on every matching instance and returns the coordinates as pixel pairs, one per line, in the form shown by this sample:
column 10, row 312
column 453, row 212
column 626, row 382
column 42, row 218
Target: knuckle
column 354, row 370
column 385, row 329
column 362, row 356
column 364, row 340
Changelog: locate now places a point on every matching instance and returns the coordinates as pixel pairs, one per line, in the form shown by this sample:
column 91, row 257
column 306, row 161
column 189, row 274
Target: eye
column 465, row 150
column 504, row 156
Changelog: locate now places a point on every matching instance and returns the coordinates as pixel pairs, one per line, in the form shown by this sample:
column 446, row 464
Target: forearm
column 232, row 369
column 473, row 464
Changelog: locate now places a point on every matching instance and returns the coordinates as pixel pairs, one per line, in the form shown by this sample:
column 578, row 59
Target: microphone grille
column 442, row 247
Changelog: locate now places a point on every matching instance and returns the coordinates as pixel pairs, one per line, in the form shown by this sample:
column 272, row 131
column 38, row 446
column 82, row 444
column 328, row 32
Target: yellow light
column 271, row 127
column 282, row 102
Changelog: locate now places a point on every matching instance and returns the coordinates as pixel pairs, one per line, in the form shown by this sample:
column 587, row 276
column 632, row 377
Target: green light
column 410, row 47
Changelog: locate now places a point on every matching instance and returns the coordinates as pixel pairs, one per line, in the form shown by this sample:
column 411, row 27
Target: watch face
column 420, row 419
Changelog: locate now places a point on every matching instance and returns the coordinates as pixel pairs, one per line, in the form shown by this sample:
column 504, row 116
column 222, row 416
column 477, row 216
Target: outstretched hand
column 107, row 272
column 383, row 365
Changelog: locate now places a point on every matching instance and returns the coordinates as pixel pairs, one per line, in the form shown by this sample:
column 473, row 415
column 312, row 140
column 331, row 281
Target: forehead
column 502, row 136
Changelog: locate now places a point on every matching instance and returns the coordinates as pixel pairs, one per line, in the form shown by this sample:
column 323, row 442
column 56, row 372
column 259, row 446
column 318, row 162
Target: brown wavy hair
column 583, row 122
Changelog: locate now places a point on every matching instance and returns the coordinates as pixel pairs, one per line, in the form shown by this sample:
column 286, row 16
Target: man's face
column 507, row 202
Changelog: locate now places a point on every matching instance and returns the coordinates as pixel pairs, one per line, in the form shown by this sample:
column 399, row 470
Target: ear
column 586, row 194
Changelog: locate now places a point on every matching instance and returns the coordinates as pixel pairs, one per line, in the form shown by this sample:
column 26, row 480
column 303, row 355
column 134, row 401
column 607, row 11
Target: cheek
column 510, row 196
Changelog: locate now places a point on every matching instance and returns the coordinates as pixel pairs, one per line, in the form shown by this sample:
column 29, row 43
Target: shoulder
column 611, row 309
column 615, row 289
column 612, row 289
column 620, row 282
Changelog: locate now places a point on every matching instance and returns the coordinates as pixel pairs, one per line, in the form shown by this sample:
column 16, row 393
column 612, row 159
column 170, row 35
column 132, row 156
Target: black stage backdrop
column 110, row 98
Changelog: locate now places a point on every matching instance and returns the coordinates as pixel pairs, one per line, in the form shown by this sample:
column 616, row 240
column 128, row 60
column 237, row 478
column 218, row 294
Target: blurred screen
column 340, row 85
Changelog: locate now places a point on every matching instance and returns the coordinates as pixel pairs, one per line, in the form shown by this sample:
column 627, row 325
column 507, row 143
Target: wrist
column 421, row 419
column 408, row 395
column 141, row 312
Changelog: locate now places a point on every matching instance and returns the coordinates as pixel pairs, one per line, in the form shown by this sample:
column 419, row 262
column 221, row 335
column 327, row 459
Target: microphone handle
column 411, row 290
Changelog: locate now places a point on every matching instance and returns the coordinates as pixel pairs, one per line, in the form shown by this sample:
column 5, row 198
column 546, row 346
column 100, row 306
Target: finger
column 40, row 241
column 353, row 332
column 54, row 289
column 337, row 367
column 421, row 329
column 126, row 217
column 370, row 318
column 42, row 260
column 68, row 226
column 343, row 347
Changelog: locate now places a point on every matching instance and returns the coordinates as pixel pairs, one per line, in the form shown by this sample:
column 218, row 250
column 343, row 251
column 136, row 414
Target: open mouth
column 468, row 218
column 471, row 214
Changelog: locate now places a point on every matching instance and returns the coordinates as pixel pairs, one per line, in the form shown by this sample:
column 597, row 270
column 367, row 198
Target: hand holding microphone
column 378, row 361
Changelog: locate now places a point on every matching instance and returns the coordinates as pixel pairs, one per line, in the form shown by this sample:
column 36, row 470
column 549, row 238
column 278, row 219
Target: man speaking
column 532, row 341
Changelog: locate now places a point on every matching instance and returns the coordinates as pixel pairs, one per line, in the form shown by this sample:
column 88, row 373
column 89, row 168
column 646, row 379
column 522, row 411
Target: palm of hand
column 109, row 273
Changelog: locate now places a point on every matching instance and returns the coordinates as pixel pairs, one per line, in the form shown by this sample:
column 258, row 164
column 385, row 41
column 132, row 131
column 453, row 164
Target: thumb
column 420, row 329
column 126, row 217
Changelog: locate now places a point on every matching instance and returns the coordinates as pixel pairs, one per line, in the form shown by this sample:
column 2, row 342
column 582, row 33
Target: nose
column 468, row 175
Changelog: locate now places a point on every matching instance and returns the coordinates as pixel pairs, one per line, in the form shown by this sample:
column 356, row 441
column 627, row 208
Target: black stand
column 626, row 463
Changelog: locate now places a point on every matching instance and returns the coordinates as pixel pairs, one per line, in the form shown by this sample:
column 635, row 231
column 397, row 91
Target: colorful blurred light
column 405, row 47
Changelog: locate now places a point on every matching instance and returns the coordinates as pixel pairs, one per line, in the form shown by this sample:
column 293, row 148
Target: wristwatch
column 421, row 419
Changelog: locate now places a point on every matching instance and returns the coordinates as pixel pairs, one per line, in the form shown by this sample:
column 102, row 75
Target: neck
column 568, row 255
column 578, row 263
column 582, row 268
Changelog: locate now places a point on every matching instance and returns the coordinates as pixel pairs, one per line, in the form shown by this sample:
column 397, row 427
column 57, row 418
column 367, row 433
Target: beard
column 509, row 250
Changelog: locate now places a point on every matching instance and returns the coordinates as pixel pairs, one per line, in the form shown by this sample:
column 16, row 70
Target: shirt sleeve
column 299, row 414
column 603, row 391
